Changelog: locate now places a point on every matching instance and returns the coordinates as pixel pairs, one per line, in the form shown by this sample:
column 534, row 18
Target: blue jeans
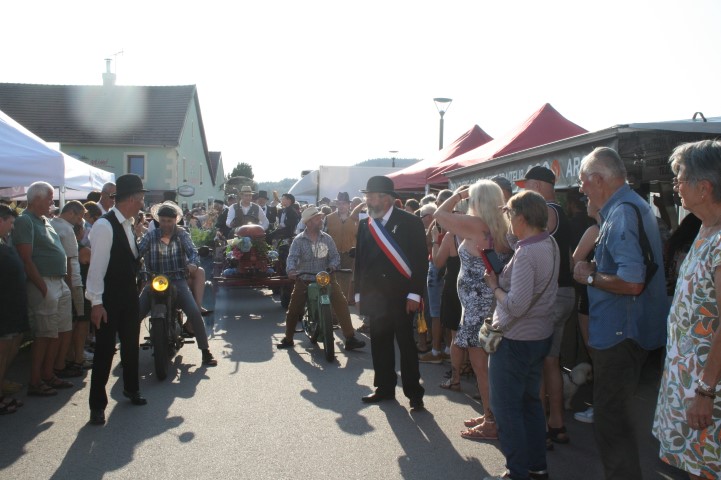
column 514, row 378
column 187, row 304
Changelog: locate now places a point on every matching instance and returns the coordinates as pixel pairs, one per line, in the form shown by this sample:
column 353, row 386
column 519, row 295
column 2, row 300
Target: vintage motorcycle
column 166, row 324
column 317, row 318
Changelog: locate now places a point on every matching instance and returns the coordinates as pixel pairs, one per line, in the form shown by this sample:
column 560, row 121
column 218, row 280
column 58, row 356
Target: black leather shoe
column 352, row 343
column 417, row 404
column 135, row 398
column 376, row 397
column 97, row 417
column 285, row 343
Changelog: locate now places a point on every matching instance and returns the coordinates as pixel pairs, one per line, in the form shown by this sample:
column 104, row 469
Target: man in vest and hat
column 246, row 212
column 112, row 292
column 391, row 265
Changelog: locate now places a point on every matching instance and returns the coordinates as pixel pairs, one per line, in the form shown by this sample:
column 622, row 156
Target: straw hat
column 166, row 209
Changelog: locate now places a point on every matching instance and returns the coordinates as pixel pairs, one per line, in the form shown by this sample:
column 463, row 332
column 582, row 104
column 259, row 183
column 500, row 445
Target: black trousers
column 384, row 328
column 616, row 372
column 122, row 322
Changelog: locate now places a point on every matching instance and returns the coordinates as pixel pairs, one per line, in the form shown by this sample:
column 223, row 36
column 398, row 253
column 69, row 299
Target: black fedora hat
column 343, row 197
column 128, row 184
column 262, row 194
column 380, row 184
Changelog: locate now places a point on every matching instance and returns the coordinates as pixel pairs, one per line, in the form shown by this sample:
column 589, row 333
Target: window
column 136, row 165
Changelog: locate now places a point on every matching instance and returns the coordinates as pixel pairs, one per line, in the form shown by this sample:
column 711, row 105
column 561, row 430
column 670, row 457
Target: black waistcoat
column 120, row 278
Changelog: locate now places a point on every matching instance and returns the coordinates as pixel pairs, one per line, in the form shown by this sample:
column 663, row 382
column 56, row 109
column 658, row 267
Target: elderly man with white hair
column 49, row 298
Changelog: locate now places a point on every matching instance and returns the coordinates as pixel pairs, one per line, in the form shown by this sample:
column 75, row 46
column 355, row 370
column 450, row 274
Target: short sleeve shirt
column 69, row 241
column 48, row 253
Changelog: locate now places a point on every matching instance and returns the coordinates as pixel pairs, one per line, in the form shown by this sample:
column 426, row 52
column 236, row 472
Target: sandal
column 7, row 407
column 41, row 390
column 558, row 435
column 449, row 385
column 56, row 383
column 11, row 401
column 474, row 422
column 484, row 431
column 467, row 370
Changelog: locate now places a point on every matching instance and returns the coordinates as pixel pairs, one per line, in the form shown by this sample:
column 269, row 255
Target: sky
column 290, row 85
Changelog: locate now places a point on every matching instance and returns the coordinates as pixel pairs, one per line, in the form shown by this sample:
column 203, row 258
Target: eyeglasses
column 588, row 177
column 676, row 182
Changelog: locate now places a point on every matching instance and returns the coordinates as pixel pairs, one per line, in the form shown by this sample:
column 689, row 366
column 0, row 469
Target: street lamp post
column 393, row 158
column 442, row 104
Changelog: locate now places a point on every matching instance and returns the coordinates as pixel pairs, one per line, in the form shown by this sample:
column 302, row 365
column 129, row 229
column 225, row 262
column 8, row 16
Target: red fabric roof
column 546, row 125
column 414, row 176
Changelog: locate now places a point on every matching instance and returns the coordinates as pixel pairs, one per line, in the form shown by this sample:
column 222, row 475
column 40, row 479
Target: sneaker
column 430, row 358
column 445, row 356
column 208, row 358
column 352, row 343
column 585, row 416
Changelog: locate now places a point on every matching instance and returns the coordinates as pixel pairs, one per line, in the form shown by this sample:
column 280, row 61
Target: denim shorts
column 435, row 289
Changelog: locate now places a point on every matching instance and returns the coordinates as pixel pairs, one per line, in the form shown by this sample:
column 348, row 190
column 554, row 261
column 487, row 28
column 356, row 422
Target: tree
column 241, row 170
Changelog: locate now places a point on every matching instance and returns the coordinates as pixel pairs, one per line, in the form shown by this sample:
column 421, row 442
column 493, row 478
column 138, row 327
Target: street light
column 393, row 158
column 442, row 104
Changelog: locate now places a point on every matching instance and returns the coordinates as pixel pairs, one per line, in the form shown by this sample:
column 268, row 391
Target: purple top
column 532, row 273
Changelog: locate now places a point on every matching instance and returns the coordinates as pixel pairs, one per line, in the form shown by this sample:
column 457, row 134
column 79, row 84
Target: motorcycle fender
column 158, row 311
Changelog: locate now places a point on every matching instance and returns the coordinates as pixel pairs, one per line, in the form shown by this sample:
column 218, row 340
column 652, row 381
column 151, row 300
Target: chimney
column 108, row 76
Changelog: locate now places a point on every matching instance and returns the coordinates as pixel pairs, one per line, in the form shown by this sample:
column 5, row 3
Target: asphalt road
column 269, row 414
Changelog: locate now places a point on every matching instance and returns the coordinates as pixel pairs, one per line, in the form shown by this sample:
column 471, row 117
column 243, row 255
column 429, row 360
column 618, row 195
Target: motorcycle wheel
column 285, row 296
column 160, row 347
column 310, row 326
column 328, row 339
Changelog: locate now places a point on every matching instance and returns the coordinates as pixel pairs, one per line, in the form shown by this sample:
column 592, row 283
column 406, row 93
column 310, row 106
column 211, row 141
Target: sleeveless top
column 562, row 235
column 253, row 215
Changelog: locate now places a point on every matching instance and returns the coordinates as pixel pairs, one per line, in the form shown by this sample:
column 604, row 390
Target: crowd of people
column 423, row 272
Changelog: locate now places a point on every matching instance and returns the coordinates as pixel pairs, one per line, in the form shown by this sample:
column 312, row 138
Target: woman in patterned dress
column 484, row 226
column 688, row 414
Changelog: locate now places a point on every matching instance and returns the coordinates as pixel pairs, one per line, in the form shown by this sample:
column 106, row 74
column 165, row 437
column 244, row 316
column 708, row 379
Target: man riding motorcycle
column 170, row 251
column 314, row 251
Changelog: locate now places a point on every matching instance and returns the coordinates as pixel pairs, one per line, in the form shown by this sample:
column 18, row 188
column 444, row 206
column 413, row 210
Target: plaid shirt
column 162, row 258
column 308, row 256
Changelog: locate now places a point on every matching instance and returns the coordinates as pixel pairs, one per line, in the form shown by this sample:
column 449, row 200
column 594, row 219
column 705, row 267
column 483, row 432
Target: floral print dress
column 692, row 321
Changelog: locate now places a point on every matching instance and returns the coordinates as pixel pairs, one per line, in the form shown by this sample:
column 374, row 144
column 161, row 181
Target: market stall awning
column 414, row 177
column 546, row 125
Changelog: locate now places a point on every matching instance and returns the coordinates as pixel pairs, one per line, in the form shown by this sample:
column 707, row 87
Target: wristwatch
column 591, row 278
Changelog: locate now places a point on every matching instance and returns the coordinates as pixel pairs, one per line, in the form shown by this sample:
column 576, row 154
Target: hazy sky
column 290, row 85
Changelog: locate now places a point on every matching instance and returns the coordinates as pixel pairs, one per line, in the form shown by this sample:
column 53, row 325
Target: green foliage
column 241, row 170
column 202, row 237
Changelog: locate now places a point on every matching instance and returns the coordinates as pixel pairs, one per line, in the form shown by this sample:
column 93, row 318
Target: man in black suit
column 288, row 218
column 113, row 294
column 391, row 265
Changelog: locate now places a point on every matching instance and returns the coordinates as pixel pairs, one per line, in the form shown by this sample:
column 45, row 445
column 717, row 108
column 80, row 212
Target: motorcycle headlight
column 160, row 283
column 322, row 278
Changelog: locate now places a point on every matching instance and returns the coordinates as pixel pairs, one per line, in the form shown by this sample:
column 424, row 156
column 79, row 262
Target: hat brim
column 113, row 195
column 154, row 211
column 391, row 193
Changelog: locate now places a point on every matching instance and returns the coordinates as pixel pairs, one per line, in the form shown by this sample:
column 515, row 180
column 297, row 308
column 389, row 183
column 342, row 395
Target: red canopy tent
column 546, row 125
column 414, row 176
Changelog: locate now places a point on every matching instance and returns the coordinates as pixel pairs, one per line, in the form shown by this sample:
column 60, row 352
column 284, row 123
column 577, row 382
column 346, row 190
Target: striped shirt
column 173, row 257
column 532, row 274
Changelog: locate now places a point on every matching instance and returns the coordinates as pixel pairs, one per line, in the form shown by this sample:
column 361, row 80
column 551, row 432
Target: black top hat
column 262, row 194
column 380, row 184
column 537, row 173
column 127, row 185
column 343, row 197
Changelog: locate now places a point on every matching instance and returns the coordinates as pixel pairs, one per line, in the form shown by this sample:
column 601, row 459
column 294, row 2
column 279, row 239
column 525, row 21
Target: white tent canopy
column 25, row 158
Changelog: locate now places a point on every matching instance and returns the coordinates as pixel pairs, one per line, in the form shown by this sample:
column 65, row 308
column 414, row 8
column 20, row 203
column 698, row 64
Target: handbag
column 488, row 337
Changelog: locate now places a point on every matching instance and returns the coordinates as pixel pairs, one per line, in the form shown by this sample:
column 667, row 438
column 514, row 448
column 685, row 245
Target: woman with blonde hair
column 484, row 226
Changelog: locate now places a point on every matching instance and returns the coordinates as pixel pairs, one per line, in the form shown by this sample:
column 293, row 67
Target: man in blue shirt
column 169, row 250
column 627, row 311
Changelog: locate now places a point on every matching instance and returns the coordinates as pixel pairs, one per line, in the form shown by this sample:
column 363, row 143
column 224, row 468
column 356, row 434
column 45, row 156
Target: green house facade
column 154, row 131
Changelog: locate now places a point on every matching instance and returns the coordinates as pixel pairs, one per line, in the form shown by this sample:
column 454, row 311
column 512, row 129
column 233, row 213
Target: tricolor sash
column 389, row 247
